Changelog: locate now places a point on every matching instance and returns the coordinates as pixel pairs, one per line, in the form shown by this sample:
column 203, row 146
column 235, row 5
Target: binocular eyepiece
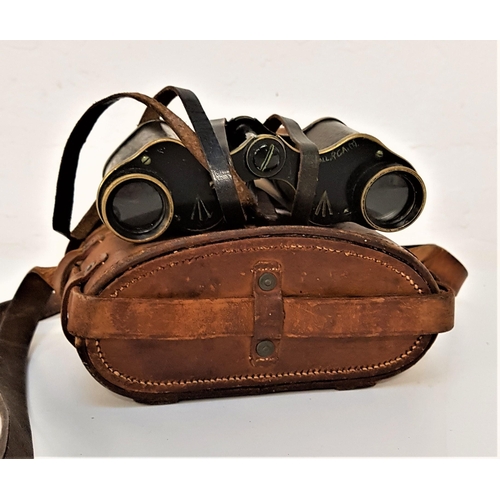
column 152, row 183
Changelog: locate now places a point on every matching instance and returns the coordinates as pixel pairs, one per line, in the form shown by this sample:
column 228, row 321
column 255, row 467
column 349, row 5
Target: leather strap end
column 444, row 266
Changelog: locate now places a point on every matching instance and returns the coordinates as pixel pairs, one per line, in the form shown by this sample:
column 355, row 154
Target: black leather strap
column 219, row 126
column 247, row 197
column 308, row 168
column 63, row 208
column 218, row 160
column 18, row 321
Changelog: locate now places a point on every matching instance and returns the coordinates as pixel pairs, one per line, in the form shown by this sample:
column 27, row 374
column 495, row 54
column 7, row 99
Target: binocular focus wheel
column 266, row 156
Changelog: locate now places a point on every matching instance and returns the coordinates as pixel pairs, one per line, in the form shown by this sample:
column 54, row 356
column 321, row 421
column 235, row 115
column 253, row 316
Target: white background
column 433, row 103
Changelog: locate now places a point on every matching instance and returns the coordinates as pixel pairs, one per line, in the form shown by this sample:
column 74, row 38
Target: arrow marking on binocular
column 324, row 205
column 200, row 208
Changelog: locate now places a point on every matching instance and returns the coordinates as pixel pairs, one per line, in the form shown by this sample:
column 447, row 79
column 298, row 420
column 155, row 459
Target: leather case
column 252, row 311
column 235, row 312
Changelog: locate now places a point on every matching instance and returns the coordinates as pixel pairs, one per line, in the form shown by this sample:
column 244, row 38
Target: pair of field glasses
column 154, row 187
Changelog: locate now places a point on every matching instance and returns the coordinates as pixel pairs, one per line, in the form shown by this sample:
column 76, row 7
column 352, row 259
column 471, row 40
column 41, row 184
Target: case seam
column 262, row 376
column 269, row 247
column 237, row 378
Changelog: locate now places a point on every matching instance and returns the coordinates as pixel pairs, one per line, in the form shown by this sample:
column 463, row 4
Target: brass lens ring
column 409, row 213
column 157, row 230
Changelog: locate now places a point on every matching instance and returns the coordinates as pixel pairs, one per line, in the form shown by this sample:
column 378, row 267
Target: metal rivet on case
column 265, row 348
column 267, row 282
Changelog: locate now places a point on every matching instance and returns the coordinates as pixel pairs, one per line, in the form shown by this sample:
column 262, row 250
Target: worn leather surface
column 447, row 268
column 187, row 318
column 335, row 317
column 182, row 318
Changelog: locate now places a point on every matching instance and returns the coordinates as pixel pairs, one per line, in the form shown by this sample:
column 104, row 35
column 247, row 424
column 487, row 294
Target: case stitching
column 271, row 247
column 261, row 376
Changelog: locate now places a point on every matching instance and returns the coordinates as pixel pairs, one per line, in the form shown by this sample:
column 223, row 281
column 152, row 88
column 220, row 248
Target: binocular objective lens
column 137, row 206
column 393, row 198
column 389, row 198
column 140, row 208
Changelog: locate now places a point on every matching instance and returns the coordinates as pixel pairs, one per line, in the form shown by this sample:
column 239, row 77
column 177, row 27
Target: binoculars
column 154, row 186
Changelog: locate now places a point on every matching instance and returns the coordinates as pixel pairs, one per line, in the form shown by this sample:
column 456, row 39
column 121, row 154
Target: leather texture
column 185, row 318
column 232, row 313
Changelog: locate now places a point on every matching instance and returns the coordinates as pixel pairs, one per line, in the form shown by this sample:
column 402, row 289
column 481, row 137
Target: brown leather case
column 249, row 311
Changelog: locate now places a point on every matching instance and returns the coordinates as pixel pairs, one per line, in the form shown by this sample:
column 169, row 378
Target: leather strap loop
column 268, row 313
column 217, row 160
column 307, row 179
column 446, row 268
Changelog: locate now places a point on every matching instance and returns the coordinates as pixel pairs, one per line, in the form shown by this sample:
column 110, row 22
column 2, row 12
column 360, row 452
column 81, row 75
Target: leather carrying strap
column 17, row 325
column 34, row 300
column 247, row 199
column 442, row 264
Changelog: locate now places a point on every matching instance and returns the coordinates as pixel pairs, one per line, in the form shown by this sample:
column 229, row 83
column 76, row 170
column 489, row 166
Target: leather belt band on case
column 344, row 317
